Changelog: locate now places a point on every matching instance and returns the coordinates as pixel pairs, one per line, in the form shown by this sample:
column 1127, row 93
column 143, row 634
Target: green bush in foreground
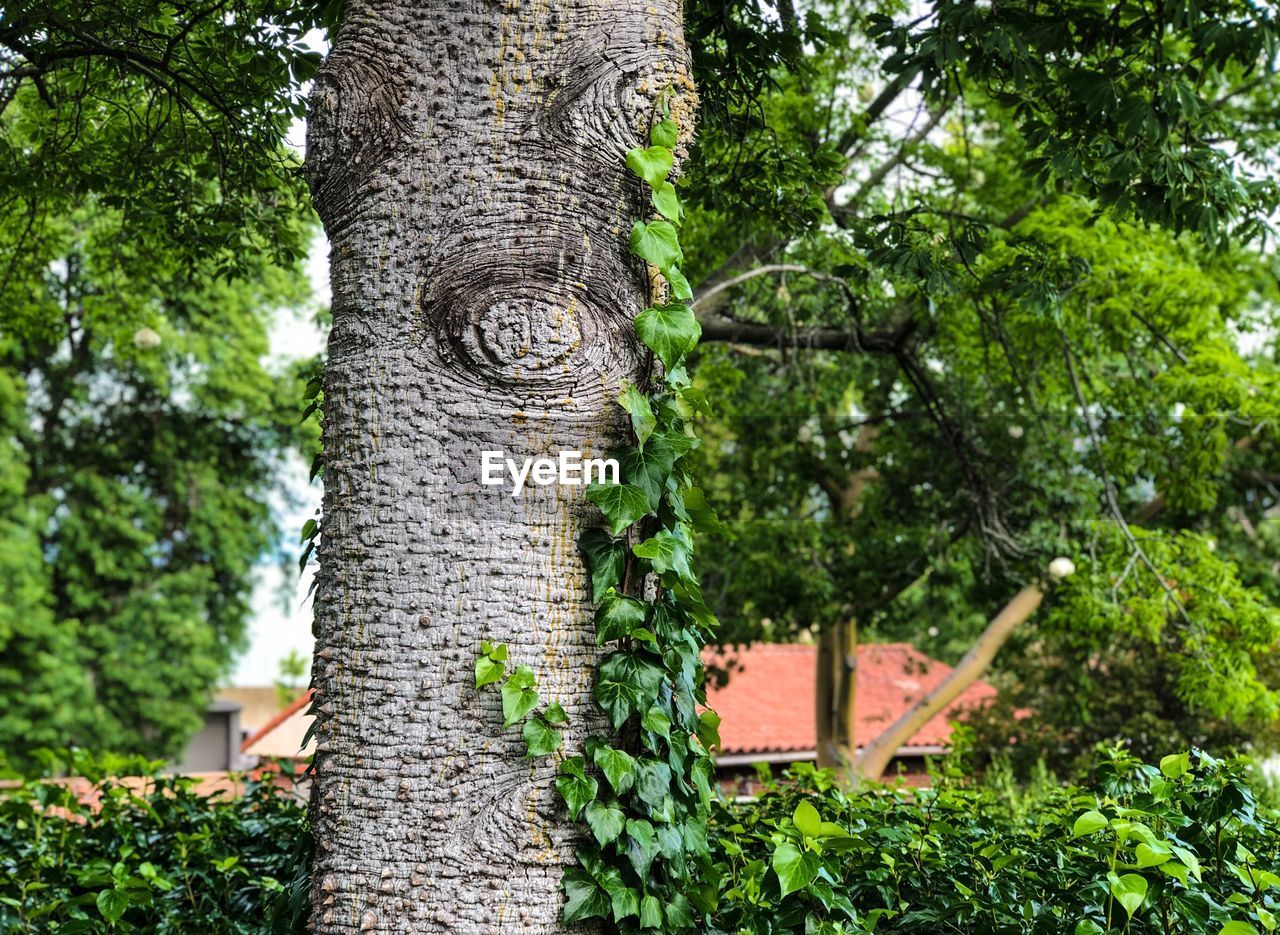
column 1182, row 848
column 162, row 859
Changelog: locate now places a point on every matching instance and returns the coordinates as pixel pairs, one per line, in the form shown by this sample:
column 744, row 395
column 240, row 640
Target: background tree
column 151, row 222
column 997, row 307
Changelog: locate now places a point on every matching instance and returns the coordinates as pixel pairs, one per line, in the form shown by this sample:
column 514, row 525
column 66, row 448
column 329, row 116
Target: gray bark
column 466, row 158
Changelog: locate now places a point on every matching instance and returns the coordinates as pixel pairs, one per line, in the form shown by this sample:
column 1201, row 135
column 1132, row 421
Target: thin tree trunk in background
column 875, row 759
column 467, row 162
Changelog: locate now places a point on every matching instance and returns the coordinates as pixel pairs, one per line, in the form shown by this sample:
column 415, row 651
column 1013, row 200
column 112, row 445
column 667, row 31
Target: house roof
column 283, row 734
column 768, row 704
column 767, row 707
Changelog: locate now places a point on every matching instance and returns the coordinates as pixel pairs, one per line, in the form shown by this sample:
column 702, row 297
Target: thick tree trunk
column 467, row 161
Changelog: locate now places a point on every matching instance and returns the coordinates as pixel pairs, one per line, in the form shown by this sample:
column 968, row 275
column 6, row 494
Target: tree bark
column 467, row 161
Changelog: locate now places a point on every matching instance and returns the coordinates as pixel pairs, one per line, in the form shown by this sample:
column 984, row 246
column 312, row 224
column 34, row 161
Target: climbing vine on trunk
column 645, row 794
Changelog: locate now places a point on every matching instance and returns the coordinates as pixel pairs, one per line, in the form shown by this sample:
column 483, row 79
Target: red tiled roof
column 768, row 704
column 297, row 705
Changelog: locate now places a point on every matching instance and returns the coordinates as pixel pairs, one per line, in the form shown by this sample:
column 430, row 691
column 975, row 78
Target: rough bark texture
column 467, row 161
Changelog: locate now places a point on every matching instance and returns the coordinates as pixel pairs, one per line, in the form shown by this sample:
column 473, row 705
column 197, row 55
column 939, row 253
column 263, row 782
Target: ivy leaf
column 655, row 720
column 555, row 715
column 606, row 821
column 656, row 243
column 653, row 163
column 648, row 469
column 488, row 671
column 583, row 897
column 709, row 729
column 795, row 869
column 642, row 845
column 618, row 766
column 1236, row 927
column 667, row 202
column 642, row 418
column 574, row 786
column 624, row 900
column 1129, row 890
column 701, row 772
column 667, row 551
column 653, row 782
column 540, row 738
column 670, row 331
column 664, row 133
column 650, row 913
column 626, row 685
column 701, row 516
column 606, row 560
column 621, row 504
column 680, row 288
column 617, row 616
column 518, row 696
column 679, row 917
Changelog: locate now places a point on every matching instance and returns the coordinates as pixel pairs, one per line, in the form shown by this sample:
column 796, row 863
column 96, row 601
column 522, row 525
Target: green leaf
column 112, row 903
column 606, row 821
column 1152, row 856
column 574, row 786
column 656, row 242
column 678, row 913
column 680, row 288
column 555, row 715
column 617, row 616
column 795, row 869
column 584, row 899
column 1175, row 764
column 606, row 560
column 670, row 331
column 664, row 133
column 1090, row 822
column 650, row 913
column 642, row 845
column 642, row 418
column 618, row 766
column 667, row 202
column 1129, row 890
column 626, row 685
column 649, row 469
column 807, row 820
column 488, row 671
column 653, row 164
column 1188, row 858
column 540, row 738
column 621, row 504
column 1235, row 927
column 653, row 782
column 667, row 551
column 518, row 696
column 655, row 720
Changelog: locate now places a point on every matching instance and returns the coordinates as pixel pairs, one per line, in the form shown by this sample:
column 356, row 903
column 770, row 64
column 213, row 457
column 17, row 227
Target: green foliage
column 141, row 440
column 1177, row 139
column 154, row 857
column 1183, row 848
column 170, row 118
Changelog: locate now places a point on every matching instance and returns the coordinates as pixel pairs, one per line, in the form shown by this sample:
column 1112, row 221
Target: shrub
column 1178, row 849
column 1183, row 848
column 153, row 856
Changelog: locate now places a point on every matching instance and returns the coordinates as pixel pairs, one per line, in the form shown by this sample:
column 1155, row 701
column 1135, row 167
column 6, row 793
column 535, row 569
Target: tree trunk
column 467, row 162
column 874, row 760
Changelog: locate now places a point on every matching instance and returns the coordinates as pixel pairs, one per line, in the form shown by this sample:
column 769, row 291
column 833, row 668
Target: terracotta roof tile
column 768, row 704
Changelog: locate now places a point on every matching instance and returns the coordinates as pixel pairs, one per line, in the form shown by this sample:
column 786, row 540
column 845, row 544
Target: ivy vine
column 644, row 794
